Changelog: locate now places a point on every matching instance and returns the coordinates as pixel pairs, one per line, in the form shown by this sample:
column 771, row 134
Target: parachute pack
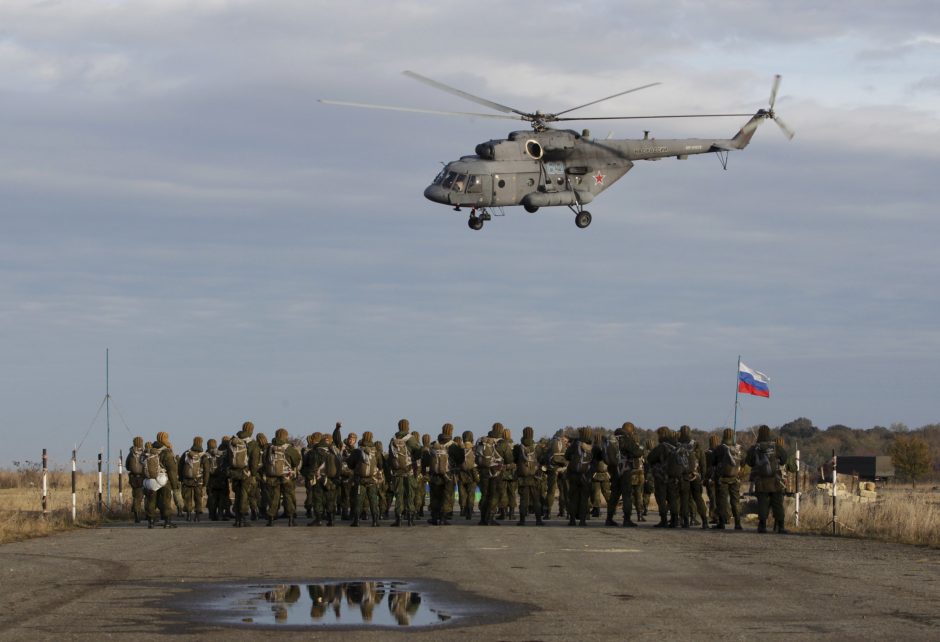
column 367, row 466
column 275, row 461
column 134, row 464
column 558, row 454
column 485, row 453
column 440, row 461
column 212, row 463
column 469, row 463
column 766, row 464
column 152, row 465
column 527, row 466
column 399, row 455
column 330, row 461
column 583, row 457
column 729, row 461
column 238, row 453
column 678, row 462
column 192, row 465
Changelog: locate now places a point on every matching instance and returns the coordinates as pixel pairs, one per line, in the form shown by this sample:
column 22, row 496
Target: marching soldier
column 193, row 479
column 528, row 472
column 402, row 451
column 281, row 462
column 557, row 467
column 365, row 461
column 160, row 473
column 467, row 475
column 243, row 462
column 581, row 456
column 489, row 466
column 135, row 477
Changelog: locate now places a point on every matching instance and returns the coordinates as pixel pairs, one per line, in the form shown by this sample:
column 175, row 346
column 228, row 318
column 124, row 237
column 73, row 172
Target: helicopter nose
column 436, row 193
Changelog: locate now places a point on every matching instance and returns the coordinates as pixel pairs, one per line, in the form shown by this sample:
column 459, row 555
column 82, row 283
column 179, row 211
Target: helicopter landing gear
column 531, row 209
column 582, row 219
column 476, row 222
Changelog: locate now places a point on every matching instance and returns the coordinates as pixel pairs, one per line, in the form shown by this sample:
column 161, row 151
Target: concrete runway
column 551, row 583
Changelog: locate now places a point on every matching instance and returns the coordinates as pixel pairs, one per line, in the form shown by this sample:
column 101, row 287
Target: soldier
column 467, row 475
column 507, row 483
column 639, row 484
column 242, row 464
column 765, row 459
column 528, row 473
column 557, row 467
column 581, row 456
column 309, row 471
column 281, row 463
column 216, row 481
column 690, row 484
column 666, row 482
column 193, row 479
column 489, row 466
column 421, row 480
column 260, row 490
column 345, row 500
column 438, row 468
column 403, row 449
column 308, row 487
column 648, row 485
column 455, row 453
column 135, row 477
column 160, row 472
column 365, row 461
column 622, row 456
column 381, row 480
column 728, row 488
column 710, row 478
column 327, row 463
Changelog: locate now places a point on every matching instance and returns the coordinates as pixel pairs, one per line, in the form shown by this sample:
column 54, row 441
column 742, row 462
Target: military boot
column 762, row 526
column 501, row 514
column 149, row 522
column 512, row 512
column 737, row 524
column 189, row 516
column 674, row 522
column 168, row 524
column 309, row 512
column 571, row 521
column 538, row 520
column 397, row 521
column 254, row 515
column 315, row 522
column 596, row 511
column 685, row 522
column 720, row 525
column 270, row 521
column 521, row 521
column 662, row 523
column 610, row 521
column 355, row 521
column 628, row 523
column 136, row 517
column 582, row 522
column 704, row 524
column 411, row 518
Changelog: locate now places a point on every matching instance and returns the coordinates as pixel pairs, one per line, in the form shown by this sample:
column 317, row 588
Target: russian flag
column 752, row 382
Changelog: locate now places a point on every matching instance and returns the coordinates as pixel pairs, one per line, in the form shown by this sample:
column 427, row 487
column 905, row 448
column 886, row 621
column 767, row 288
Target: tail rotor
column 772, row 115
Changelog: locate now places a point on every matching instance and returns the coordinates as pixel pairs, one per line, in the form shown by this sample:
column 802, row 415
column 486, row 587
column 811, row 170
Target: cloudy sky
column 171, row 190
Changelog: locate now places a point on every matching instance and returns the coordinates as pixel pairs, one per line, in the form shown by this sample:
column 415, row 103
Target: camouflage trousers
column 579, row 495
column 404, row 488
column 280, row 490
column 489, row 494
column 621, row 487
column 530, row 496
column 159, row 501
column 366, row 492
column 556, row 482
column 194, row 495
column 466, row 489
column 600, row 492
column 324, row 499
column 690, row 495
column 441, row 500
column 242, row 487
column 218, row 501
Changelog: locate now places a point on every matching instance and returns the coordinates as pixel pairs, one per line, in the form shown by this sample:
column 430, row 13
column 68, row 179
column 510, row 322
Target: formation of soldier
column 246, row 477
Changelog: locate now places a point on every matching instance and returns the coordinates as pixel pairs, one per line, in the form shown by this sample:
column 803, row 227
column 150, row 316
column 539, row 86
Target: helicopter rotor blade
column 789, row 133
column 600, row 100
column 773, row 91
column 652, row 117
column 343, row 103
column 462, row 94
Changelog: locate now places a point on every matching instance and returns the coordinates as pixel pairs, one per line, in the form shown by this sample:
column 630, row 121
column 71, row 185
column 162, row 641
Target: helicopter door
column 555, row 176
column 480, row 187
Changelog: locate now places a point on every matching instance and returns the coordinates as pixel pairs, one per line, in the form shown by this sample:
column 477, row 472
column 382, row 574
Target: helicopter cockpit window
column 440, row 176
column 475, row 184
column 449, row 180
column 460, row 182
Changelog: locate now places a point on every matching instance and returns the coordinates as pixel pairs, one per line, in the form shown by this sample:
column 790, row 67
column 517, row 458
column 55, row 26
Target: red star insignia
column 599, row 178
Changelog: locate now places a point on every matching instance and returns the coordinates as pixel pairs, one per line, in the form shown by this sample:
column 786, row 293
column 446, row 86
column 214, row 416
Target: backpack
column 583, row 458
column 729, row 461
column 330, row 466
column 152, row 465
column 469, row 461
column 212, row 463
column 192, row 465
column 528, row 466
column 275, row 461
column 399, row 456
column 694, row 462
column 485, row 453
column 440, row 462
column 765, row 460
column 238, row 453
column 612, row 455
column 135, row 465
column 678, row 463
column 367, row 467
column 558, row 454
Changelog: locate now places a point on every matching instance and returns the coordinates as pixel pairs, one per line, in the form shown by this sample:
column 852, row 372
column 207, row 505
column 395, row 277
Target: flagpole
column 737, row 375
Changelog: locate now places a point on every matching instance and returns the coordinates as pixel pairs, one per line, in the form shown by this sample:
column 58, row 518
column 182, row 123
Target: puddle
column 353, row 604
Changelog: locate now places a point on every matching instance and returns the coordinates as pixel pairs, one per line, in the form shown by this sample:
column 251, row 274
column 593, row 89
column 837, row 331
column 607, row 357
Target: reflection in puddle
column 356, row 604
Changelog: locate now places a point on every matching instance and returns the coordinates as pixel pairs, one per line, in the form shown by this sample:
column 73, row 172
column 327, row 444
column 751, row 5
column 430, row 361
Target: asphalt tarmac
column 498, row 583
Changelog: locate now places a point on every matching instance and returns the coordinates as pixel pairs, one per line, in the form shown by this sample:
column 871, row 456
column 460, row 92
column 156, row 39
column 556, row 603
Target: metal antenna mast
column 107, row 399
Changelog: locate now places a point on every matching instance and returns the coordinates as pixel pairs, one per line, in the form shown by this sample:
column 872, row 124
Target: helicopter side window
column 475, row 185
column 460, row 182
column 449, row 180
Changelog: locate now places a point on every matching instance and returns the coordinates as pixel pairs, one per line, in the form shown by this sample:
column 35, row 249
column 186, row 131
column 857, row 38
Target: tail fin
column 743, row 137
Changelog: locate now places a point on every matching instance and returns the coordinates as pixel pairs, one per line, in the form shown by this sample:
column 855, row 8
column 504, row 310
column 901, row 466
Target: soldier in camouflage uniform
column 623, row 476
column 728, row 459
column 557, row 469
column 365, row 462
column 403, row 450
column 421, row 480
column 690, row 484
column 281, row 464
column 308, row 487
column 438, row 468
column 217, row 481
column 666, row 485
column 710, row 478
column 162, row 498
column 528, row 473
column 381, row 480
column 242, row 464
column 467, row 475
column 327, row 463
column 489, row 467
column 260, row 484
column 506, row 501
column 193, row 479
column 581, row 456
column 648, row 485
column 135, row 477
column 308, row 470
column 602, row 479
column 765, row 459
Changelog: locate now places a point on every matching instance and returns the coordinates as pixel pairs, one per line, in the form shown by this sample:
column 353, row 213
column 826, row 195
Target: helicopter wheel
column 475, row 223
column 531, row 209
column 582, row 219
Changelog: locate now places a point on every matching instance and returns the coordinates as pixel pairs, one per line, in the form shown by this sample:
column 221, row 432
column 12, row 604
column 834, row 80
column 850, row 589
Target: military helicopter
column 548, row 167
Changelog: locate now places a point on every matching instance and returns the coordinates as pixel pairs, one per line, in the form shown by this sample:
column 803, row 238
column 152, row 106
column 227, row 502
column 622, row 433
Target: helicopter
column 548, row 167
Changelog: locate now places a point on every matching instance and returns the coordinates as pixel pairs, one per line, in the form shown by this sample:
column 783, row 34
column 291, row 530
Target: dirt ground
column 552, row 583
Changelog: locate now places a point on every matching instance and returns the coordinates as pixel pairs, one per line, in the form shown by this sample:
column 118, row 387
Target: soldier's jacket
column 573, row 451
column 201, row 476
column 698, row 471
column 218, row 479
column 773, row 484
column 504, row 449
column 135, row 480
column 413, row 446
column 658, row 461
column 631, row 451
column 169, row 462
